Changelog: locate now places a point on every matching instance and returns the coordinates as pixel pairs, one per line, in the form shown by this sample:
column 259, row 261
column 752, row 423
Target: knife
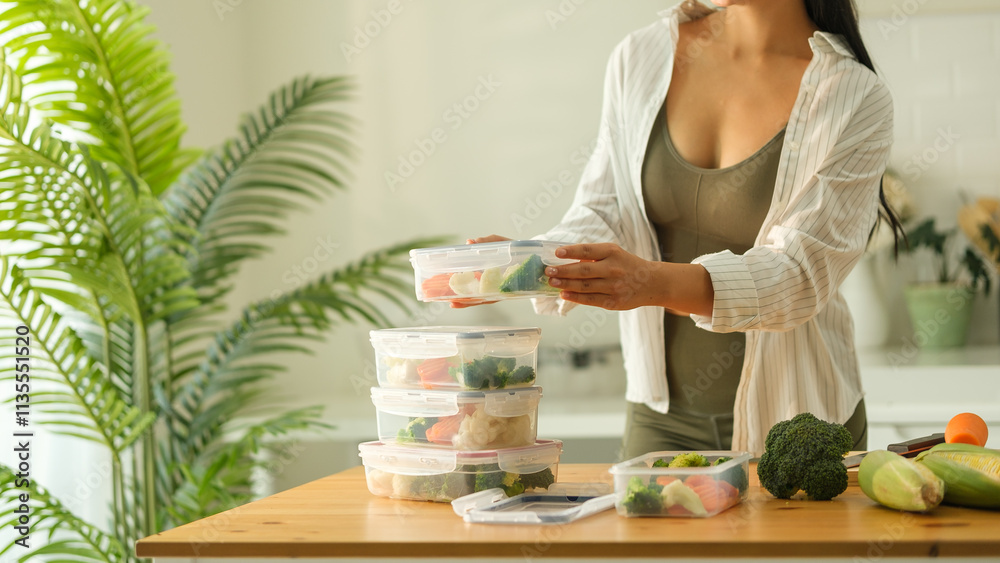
column 908, row 448
column 912, row 447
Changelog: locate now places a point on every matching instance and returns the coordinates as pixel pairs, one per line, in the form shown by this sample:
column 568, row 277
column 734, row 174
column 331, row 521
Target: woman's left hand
column 607, row 276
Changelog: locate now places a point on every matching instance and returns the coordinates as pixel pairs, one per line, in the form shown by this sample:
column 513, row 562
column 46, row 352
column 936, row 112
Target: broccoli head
column 521, row 375
column 488, row 477
column 488, row 372
column 538, row 480
column 735, row 476
column 528, row 276
column 661, row 463
column 642, row 499
column 415, row 431
column 688, row 460
column 805, row 453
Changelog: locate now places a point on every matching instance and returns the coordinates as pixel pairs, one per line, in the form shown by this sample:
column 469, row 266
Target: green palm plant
column 118, row 247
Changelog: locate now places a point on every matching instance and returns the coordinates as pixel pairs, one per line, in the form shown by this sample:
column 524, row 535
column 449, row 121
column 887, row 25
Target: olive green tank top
column 697, row 211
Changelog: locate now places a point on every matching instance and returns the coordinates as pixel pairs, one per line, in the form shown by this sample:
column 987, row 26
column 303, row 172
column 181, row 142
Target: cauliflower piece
column 464, row 283
column 380, row 482
column 489, row 282
column 480, row 431
column 402, row 373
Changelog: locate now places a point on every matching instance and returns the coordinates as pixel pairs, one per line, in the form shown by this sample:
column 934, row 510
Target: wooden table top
column 336, row 516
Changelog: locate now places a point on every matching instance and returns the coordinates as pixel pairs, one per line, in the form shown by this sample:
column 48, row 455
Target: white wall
column 536, row 126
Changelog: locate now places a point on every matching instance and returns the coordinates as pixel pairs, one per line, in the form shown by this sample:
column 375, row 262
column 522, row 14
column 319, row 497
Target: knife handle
column 916, row 445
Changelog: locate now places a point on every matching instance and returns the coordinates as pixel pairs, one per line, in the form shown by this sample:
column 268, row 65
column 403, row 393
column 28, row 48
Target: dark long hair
column 841, row 17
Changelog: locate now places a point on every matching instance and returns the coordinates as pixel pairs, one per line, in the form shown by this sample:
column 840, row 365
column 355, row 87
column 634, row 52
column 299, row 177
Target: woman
column 735, row 185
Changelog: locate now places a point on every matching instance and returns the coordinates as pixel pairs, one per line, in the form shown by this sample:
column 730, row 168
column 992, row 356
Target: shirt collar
column 831, row 42
column 688, row 10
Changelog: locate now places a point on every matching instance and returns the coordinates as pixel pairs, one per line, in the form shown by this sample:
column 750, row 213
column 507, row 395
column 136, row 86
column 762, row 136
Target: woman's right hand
column 462, row 304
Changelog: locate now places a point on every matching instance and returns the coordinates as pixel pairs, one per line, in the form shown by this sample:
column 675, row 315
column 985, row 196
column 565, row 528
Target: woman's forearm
column 685, row 288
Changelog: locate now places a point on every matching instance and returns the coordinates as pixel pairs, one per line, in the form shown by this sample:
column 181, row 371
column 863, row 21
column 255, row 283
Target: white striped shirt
column 784, row 291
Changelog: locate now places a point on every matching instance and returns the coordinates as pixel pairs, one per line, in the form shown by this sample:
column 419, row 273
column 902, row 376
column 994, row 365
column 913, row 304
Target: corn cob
column 971, row 473
column 897, row 482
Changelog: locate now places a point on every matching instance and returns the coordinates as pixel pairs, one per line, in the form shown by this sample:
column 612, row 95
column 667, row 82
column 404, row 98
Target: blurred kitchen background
column 514, row 86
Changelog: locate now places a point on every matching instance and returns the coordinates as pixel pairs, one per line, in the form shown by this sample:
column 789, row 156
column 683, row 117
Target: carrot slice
column 716, row 495
column 434, row 372
column 437, row 286
column 665, row 480
column 966, row 428
column 444, row 429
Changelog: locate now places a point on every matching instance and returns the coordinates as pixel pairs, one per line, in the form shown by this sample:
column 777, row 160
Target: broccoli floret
column 539, row 480
column 735, row 476
column 661, row 463
column 476, row 374
column 527, row 277
column 415, row 431
column 688, row 460
column 455, row 485
column 805, row 453
column 642, row 499
column 489, row 477
column 521, row 375
column 501, row 372
column 490, row 372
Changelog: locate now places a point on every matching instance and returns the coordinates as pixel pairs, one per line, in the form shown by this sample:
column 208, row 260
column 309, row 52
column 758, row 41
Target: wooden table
column 337, row 517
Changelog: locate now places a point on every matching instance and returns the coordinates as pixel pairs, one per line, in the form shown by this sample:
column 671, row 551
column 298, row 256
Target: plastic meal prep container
column 487, row 271
column 456, row 357
column 692, row 492
column 465, row 420
column 406, row 472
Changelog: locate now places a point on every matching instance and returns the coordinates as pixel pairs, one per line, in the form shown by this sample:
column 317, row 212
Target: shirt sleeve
column 594, row 216
column 819, row 236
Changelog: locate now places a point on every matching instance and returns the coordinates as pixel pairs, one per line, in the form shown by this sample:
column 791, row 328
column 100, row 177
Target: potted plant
column 117, row 251
column 940, row 309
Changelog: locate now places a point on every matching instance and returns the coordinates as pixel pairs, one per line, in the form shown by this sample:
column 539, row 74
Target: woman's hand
column 606, row 276
column 611, row 278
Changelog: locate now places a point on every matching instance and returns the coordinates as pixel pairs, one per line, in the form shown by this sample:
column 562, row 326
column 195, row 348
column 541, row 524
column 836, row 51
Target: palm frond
column 245, row 189
column 94, row 66
column 203, row 399
column 68, row 535
column 91, row 407
column 217, row 479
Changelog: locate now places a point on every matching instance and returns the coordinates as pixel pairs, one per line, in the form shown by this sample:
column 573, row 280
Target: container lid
column 643, row 465
column 461, row 257
column 557, row 506
column 409, row 460
column 445, row 341
column 411, row 402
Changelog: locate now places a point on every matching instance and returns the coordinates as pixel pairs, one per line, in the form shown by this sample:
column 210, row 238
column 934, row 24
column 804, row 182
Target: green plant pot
column 940, row 314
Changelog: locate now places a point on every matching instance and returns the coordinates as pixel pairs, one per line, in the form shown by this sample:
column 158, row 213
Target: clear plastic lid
column 462, row 257
column 643, row 465
column 405, row 460
column 505, row 402
column 446, row 341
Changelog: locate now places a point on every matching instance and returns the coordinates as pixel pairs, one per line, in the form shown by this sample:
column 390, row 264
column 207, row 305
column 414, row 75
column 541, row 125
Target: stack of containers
column 457, row 407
